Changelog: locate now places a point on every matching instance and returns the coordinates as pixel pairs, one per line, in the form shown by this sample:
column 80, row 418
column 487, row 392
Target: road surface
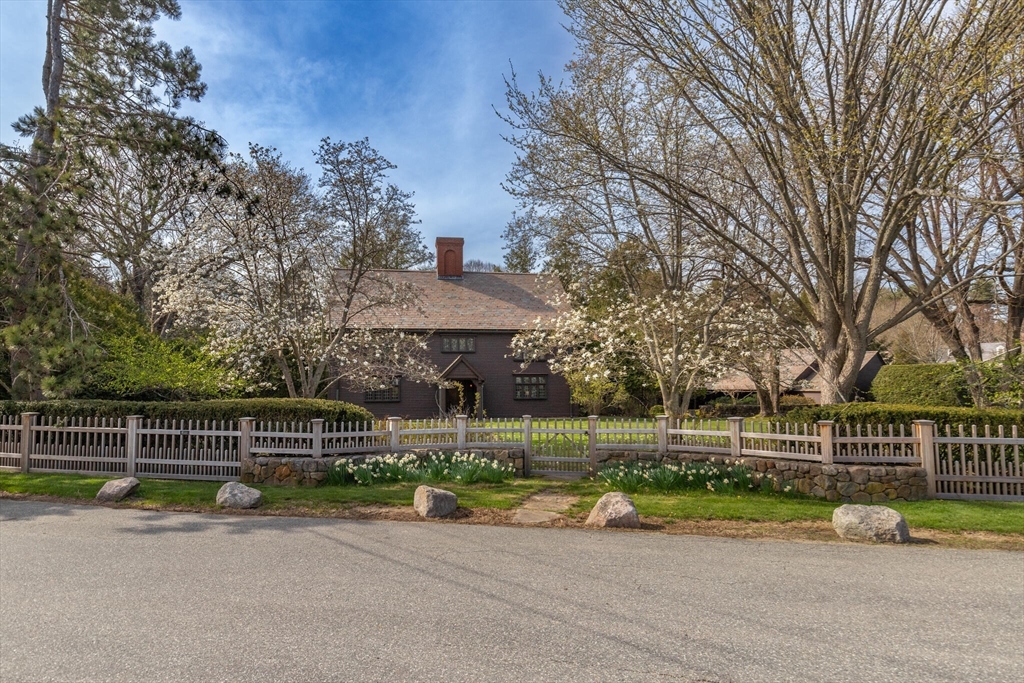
column 100, row 594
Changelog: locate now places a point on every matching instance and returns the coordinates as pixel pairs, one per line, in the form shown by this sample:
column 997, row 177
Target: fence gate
column 560, row 447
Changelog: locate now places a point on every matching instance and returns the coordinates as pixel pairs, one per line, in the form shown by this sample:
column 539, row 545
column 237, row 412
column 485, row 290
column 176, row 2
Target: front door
column 461, row 399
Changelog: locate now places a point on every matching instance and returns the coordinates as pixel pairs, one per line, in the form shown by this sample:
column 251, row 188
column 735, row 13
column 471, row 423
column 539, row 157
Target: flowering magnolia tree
column 674, row 335
column 273, row 269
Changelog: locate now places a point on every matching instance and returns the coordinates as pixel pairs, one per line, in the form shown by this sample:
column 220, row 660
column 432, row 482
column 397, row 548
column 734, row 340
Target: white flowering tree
column 674, row 335
column 271, row 268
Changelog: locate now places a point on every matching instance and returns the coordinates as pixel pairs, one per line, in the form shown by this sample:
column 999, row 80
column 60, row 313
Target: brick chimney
column 449, row 258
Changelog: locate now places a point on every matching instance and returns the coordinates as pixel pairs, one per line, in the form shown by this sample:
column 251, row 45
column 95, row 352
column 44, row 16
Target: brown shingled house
column 472, row 318
column 798, row 374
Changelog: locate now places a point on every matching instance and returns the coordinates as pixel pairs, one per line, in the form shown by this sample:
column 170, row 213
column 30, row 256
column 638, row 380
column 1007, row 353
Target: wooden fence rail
column 962, row 463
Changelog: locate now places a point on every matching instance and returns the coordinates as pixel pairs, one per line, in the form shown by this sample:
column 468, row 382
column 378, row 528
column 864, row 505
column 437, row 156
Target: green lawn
column 203, row 493
column 945, row 515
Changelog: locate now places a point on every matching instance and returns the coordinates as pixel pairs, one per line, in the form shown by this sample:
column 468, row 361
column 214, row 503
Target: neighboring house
column 472, row 318
column 989, row 351
column 992, row 350
column 798, row 374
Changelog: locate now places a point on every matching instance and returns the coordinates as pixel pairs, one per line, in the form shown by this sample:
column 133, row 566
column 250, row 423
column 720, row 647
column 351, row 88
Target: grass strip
column 944, row 515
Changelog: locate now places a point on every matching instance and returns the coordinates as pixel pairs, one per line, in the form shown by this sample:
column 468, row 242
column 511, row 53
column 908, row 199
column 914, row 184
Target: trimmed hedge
column 935, row 384
column 283, row 409
column 887, row 413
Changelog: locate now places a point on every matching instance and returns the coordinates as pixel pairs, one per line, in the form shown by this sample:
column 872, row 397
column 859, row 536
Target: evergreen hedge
column 282, row 409
column 887, row 413
column 934, row 384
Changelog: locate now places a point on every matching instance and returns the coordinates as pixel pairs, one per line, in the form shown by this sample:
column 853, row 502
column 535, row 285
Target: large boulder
column 431, row 502
column 615, row 509
column 236, row 495
column 870, row 523
column 117, row 489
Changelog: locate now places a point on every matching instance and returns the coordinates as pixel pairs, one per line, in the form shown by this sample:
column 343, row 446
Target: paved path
column 90, row 593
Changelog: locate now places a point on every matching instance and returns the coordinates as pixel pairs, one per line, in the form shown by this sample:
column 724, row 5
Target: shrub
column 143, row 367
column 723, row 477
column 656, row 410
column 881, row 413
column 278, row 409
column 462, row 468
column 935, row 384
column 795, row 400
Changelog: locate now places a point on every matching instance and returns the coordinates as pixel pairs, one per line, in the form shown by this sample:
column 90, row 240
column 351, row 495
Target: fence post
column 825, row 429
column 735, row 436
column 461, row 422
column 395, row 427
column 131, row 444
column 527, row 444
column 27, row 420
column 318, row 438
column 925, row 435
column 592, row 443
column 245, row 430
column 662, row 435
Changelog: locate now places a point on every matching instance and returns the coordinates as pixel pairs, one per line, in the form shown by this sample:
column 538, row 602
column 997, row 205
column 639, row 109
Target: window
column 458, row 344
column 531, row 387
column 391, row 394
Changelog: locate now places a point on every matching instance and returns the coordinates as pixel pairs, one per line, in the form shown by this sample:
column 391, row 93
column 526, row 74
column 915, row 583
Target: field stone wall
column 834, row 483
column 309, row 471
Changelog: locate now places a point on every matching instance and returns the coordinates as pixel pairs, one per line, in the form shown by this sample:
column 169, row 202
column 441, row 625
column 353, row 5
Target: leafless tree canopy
column 818, row 135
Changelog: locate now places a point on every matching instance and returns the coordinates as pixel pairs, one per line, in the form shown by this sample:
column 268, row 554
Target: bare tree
column 855, row 114
column 621, row 244
column 130, row 211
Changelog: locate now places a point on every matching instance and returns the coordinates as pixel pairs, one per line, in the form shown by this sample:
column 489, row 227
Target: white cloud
column 419, row 79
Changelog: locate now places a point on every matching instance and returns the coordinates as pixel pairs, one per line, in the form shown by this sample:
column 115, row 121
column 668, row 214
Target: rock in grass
column 431, row 502
column 870, row 523
column 117, row 489
column 236, row 495
column 615, row 509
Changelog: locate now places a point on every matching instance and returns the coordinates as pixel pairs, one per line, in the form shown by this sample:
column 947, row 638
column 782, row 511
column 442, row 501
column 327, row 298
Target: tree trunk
column 26, row 382
column 669, row 399
column 286, row 373
column 975, row 381
column 764, row 400
column 684, row 403
column 1014, row 322
column 838, row 362
column 944, row 322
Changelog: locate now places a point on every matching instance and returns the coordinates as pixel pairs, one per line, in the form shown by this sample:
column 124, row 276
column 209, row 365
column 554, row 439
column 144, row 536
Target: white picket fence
column 961, row 463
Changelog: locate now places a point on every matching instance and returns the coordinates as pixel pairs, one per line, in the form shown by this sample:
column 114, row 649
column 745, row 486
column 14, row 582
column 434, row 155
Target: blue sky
column 420, row 79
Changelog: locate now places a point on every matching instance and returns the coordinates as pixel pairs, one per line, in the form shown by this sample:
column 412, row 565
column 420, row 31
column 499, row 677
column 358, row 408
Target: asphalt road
column 91, row 593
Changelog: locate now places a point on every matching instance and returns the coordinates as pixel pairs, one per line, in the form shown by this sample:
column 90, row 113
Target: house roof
column 479, row 301
column 797, row 368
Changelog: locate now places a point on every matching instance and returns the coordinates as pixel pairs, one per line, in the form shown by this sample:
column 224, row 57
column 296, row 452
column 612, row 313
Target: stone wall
column 308, row 471
column 846, row 483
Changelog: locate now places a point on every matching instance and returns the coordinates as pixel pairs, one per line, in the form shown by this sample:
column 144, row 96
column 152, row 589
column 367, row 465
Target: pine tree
column 107, row 82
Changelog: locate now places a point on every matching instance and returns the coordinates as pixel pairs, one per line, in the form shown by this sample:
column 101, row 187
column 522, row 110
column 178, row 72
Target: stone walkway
column 543, row 507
